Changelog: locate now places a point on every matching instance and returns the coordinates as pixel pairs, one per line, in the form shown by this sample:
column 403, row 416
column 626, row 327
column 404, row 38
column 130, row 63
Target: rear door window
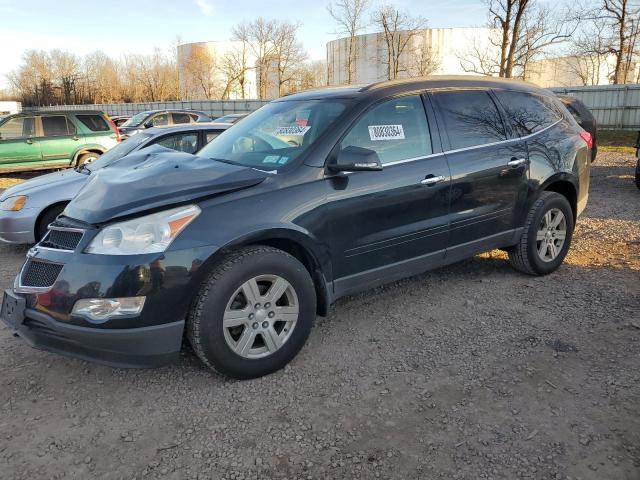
column 95, row 123
column 181, row 118
column 470, row 118
column 57, row 126
column 528, row 112
column 395, row 129
column 184, row 142
column 21, row 127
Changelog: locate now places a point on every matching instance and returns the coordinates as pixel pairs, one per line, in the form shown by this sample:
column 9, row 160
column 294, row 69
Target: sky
column 137, row 26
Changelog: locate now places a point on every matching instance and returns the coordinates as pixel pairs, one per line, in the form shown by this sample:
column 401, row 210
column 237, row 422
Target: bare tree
column 525, row 30
column 259, row 35
column 480, row 58
column 234, row 68
column 200, row 72
column 398, row 30
column 622, row 18
column 589, row 50
column 423, row 60
column 350, row 17
column 288, row 53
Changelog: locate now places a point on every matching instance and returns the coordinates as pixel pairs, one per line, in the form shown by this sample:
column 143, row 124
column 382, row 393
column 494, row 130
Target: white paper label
column 386, row 132
column 293, row 131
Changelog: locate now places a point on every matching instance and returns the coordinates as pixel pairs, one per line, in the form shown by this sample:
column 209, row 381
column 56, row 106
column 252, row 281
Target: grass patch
column 618, row 139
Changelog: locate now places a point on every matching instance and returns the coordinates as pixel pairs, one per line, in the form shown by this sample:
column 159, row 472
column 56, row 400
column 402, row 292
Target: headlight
column 149, row 234
column 105, row 308
column 13, row 204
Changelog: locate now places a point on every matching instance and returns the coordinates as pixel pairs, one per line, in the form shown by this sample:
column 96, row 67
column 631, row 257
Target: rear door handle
column 516, row 162
column 432, row 180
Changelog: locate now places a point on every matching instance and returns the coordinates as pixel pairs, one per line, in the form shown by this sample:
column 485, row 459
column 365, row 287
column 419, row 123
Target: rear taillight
column 115, row 128
column 586, row 136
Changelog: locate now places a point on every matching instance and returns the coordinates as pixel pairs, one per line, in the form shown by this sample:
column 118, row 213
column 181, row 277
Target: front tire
column 253, row 313
column 86, row 158
column 48, row 217
column 546, row 238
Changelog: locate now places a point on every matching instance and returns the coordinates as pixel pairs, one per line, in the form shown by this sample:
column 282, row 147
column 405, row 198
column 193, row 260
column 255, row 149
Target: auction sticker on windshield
column 293, row 131
column 386, row 132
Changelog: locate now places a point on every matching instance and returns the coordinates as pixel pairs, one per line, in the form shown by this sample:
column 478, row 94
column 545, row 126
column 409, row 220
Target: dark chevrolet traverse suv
column 314, row 196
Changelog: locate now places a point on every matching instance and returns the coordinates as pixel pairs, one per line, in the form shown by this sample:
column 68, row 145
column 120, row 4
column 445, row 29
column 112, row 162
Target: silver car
column 28, row 208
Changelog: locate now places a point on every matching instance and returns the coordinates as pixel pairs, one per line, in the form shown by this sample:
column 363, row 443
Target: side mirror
column 148, row 124
column 356, row 159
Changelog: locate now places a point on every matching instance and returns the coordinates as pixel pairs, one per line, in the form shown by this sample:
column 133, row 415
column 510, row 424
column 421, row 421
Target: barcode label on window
column 386, row 132
column 294, row 131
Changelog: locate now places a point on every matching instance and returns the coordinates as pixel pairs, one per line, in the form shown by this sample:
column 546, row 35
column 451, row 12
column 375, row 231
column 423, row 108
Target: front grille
column 62, row 239
column 40, row 274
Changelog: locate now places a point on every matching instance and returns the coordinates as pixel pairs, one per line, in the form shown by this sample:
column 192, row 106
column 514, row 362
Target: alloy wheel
column 260, row 316
column 551, row 235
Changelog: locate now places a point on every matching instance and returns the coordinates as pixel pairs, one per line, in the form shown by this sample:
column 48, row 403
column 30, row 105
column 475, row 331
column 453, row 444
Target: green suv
column 43, row 140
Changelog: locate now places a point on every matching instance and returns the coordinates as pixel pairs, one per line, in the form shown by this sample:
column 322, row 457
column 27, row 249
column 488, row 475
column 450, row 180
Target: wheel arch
column 297, row 244
column 566, row 185
column 42, row 213
column 87, row 149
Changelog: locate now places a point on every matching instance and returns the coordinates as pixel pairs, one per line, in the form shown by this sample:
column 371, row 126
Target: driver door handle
column 431, row 180
column 516, row 162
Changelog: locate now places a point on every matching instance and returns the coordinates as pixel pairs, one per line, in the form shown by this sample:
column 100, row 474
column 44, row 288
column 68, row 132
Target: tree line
column 523, row 32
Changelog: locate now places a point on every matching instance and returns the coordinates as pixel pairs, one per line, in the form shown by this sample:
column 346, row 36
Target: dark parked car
column 585, row 119
column 240, row 247
column 161, row 118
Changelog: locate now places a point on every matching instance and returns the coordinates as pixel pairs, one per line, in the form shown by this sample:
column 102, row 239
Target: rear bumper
column 18, row 227
column 126, row 348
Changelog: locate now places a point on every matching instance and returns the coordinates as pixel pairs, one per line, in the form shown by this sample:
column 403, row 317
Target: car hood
column 44, row 182
column 152, row 178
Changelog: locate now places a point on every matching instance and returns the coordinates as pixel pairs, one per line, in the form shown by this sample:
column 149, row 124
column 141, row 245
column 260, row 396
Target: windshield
column 275, row 135
column 119, row 151
column 136, row 120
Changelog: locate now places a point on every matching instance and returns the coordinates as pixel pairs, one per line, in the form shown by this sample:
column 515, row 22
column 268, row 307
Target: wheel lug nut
column 271, row 314
column 265, row 324
column 251, row 316
column 257, row 306
column 267, row 305
column 255, row 326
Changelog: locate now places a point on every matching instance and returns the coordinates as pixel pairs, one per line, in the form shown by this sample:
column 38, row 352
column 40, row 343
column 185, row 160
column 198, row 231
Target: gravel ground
column 469, row 372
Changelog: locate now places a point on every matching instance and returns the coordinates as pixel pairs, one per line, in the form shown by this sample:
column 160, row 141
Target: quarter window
column 56, row 126
column 21, row 127
column 181, row 118
column 470, row 118
column 396, row 130
column 95, row 123
column 528, row 112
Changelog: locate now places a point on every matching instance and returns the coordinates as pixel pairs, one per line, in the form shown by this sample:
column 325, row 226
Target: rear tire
column 250, row 335
column 47, row 217
column 546, row 238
